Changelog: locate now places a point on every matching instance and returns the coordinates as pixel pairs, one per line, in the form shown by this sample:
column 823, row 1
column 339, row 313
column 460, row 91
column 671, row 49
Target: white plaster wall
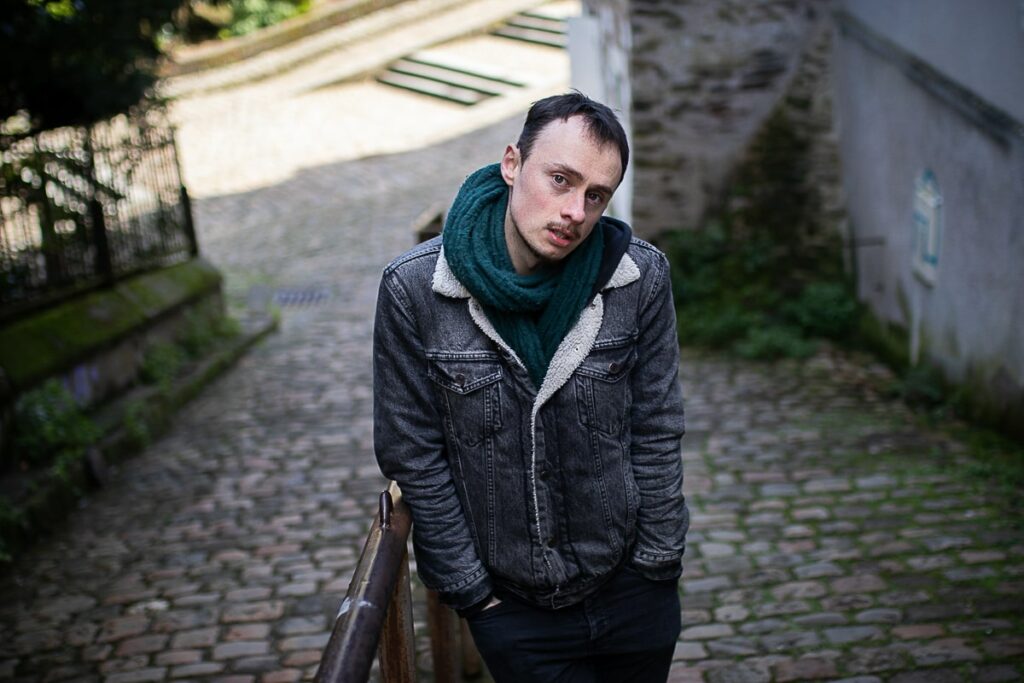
column 891, row 130
column 980, row 43
column 600, row 43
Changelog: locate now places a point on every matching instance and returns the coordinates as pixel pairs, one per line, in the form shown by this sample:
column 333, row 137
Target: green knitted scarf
column 532, row 313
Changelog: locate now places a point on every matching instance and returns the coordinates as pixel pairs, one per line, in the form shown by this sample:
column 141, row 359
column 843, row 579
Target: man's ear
column 510, row 164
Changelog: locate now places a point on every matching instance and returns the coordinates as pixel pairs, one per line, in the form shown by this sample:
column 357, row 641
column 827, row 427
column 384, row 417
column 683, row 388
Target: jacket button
column 551, row 542
column 460, row 379
column 614, row 367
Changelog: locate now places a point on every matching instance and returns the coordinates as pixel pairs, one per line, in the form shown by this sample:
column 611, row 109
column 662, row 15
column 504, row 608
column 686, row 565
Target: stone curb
column 119, row 443
column 368, row 43
column 54, row 496
column 211, row 54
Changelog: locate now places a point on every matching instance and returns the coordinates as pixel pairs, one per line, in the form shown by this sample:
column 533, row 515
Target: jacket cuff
column 660, row 570
column 468, row 596
column 476, row 608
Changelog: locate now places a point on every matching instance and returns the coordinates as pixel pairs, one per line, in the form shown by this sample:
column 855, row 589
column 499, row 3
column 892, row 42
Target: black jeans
column 625, row 632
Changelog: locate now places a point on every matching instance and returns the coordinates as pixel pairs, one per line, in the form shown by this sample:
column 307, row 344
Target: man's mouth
column 561, row 236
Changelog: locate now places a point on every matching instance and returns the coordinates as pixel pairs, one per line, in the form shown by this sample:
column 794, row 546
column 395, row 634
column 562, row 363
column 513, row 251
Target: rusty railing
column 375, row 618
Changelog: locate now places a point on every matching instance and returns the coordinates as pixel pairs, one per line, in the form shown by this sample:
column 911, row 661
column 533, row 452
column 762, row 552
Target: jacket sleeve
column 657, row 428
column 410, row 448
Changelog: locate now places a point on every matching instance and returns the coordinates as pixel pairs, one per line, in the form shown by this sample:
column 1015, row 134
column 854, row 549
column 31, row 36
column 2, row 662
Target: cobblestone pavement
column 225, row 549
column 832, row 538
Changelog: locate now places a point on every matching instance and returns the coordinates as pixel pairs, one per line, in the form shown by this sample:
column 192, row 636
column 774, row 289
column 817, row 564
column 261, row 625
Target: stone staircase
column 462, row 84
column 536, row 27
column 469, row 83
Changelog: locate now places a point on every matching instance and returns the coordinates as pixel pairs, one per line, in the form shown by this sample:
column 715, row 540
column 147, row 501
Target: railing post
column 190, row 228
column 471, row 666
column 397, row 652
column 443, row 626
column 186, row 201
column 104, row 263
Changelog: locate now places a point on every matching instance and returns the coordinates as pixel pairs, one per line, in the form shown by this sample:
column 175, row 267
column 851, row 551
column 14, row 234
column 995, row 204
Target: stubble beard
column 540, row 258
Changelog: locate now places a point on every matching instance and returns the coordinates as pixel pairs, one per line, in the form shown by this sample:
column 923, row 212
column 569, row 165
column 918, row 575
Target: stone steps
column 536, row 28
column 467, row 83
column 455, row 83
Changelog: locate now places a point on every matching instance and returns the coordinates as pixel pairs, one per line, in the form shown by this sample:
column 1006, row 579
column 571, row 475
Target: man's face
column 557, row 194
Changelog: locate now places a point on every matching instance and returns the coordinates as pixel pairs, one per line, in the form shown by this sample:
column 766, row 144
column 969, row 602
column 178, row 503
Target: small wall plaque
column 927, row 228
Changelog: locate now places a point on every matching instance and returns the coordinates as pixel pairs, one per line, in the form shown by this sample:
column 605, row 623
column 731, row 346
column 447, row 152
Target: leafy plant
column 825, row 309
column 162, row 363
column 201, row 332
column 135, row 423
column 251, row 15
column 773, row 342
column 48, row 423
column 922, row 386
column 72, row 62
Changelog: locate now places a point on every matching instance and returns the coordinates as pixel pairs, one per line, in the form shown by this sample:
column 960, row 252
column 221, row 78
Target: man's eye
column 559, row 179
column 595, row 198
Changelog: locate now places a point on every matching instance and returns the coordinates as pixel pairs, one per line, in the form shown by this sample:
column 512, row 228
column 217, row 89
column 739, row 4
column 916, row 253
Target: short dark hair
column 601, row 122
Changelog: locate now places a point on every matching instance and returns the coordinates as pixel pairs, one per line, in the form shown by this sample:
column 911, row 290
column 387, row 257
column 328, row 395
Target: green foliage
column 774, row 342
column 763, row 276
column 135, row 423
column 201, row 333
column 922, row 386
column 716, row 327
column 165, row 361
column 161, row 363
column 996, row 461
column 825, row 309
column 73, row 62
column 49, row 425
column 64, row 468
column 13, row 526
column 251, row 15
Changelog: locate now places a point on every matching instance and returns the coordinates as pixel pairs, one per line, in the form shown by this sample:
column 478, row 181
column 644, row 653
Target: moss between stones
column 50, row 342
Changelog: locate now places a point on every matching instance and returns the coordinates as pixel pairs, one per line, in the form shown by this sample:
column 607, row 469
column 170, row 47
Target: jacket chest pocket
column 471, row 389
column 602, row 387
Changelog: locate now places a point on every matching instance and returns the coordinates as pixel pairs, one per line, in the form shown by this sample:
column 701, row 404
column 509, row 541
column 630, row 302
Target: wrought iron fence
column 81, row 207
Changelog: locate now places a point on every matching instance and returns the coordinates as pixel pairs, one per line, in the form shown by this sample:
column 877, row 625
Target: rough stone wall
column 705, row 74
column 808, row 103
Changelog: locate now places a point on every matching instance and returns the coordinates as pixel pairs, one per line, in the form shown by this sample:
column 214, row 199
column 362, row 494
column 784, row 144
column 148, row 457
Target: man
column 526, row 401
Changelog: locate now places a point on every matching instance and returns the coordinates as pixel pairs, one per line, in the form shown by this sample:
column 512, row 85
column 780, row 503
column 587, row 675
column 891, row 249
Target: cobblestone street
column 832, row 537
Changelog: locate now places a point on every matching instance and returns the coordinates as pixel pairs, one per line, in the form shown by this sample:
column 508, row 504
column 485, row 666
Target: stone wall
column 95, row 343
column 705, row 74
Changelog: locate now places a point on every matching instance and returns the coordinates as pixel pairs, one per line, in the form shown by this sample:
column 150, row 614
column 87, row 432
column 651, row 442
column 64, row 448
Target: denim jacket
column 542, row 493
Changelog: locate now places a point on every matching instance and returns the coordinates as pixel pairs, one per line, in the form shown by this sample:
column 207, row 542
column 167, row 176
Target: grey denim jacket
column 542, row 493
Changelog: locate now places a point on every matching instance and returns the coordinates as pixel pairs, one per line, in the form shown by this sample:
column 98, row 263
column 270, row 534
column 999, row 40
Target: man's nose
column 574, row 209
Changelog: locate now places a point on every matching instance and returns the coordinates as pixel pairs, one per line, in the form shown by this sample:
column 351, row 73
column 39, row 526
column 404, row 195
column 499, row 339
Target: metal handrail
column 375, row 618
column 370, row 600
